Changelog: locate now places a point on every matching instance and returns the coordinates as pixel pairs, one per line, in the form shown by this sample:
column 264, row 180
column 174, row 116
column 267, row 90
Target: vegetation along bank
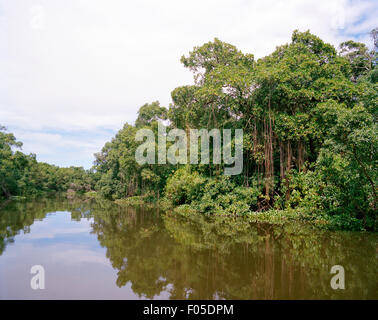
column 309, row 117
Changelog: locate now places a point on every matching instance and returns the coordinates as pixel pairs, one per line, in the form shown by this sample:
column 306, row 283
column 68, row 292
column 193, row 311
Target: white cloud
column 67, row 149
column 78, row 257
column 84, row 65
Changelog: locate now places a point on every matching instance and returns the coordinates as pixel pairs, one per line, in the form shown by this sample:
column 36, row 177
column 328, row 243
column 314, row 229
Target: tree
column 150, row 112
column 9, row 168
column 360, row 59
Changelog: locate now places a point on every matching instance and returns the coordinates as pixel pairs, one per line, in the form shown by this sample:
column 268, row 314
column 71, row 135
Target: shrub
column 184, row 186
column 217, row 195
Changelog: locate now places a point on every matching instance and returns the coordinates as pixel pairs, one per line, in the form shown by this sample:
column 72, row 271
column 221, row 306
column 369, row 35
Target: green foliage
column 21, row 174
column 309, row 120
column 149, row 113
column 222, row 197
column 300, row 189
column 118, row 174
column 360, row 59
column 184, row 186
column 219, row 196
column 308, row 114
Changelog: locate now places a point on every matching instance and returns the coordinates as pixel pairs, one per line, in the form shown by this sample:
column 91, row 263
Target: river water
column 98, row 250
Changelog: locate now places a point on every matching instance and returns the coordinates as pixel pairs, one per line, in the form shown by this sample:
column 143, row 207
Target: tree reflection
column 18, row 216
column 227, row 258
column 199, row 257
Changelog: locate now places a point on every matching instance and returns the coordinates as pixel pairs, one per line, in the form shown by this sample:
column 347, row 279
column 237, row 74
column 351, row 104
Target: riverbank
column 272, row 216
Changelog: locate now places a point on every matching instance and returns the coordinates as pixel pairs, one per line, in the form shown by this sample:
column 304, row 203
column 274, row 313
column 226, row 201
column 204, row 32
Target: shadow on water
column 199, row 257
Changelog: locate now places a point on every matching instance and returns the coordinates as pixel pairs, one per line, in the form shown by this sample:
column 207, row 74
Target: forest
column 309, row 117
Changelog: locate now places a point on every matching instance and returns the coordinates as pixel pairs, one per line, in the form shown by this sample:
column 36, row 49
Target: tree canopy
column 309, row 119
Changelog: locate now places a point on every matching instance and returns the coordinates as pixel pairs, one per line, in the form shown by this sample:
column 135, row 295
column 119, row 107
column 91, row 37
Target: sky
column 74, row 71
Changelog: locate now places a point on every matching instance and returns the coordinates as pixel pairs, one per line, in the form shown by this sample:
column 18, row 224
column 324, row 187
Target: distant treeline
column 309, row 117
column 22, row 175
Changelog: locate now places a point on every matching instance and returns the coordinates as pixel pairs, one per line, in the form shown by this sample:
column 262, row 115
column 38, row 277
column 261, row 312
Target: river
column 98, row 250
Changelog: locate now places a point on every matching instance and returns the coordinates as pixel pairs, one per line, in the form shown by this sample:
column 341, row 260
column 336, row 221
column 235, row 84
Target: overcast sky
column 74, row 71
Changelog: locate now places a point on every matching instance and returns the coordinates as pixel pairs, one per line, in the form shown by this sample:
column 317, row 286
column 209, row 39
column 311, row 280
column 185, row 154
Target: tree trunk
column 6, row 192
column 300, row 160
column 282, row 161
column 288, row 168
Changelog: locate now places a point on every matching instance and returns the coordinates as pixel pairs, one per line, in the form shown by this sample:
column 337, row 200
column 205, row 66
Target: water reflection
column 148, row 254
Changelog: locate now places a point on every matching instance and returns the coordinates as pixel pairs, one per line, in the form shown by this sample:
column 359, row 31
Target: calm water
column 97, row 250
